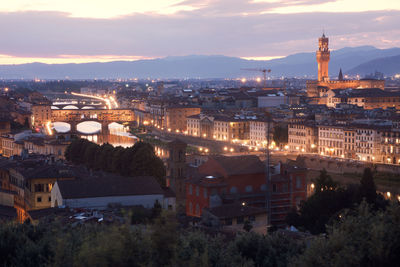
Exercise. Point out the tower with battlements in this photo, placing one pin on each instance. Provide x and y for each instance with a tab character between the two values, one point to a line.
323	56
316	89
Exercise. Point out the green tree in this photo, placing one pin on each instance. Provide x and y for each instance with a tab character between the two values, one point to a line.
164	240
146	163
271	250
104	161
117	160
90	155
324	182
367	186
114	246
156	210
24	245
247	226
280	134
362	237
319	210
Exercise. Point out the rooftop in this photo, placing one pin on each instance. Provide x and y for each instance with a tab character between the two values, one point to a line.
108	186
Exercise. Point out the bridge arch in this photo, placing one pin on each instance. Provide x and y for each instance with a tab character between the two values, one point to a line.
89	127
62	127
54	107
88	107
70	107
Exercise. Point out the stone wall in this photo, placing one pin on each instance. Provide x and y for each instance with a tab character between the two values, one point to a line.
342	166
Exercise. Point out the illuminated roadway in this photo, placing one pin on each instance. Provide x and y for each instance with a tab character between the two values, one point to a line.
110	101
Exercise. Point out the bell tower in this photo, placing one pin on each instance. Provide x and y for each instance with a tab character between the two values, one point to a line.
323	55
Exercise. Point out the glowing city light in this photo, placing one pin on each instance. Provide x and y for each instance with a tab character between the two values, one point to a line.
48	127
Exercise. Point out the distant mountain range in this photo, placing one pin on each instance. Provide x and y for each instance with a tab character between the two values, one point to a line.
353	60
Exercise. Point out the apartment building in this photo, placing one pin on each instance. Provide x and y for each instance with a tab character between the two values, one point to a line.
302	136
259	132
193	125
349	143
176	116
41	114
389	151
331	140
221	129
367	143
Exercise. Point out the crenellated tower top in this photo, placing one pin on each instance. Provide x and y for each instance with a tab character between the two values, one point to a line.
323	56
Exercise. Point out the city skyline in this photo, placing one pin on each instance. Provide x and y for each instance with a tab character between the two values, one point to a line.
100	31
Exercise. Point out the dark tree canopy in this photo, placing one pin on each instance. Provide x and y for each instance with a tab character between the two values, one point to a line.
138	160
330	199
367	186
324	182
280	134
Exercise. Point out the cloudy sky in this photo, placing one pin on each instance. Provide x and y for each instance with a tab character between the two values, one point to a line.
60	31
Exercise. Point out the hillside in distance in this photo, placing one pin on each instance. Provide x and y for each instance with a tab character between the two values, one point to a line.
199	66
387	65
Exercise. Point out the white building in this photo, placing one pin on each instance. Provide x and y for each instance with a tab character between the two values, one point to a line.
100	192
331	140
193	125
302	137
259	132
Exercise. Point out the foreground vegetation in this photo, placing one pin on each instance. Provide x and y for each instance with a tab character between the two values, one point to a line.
363	237
330	200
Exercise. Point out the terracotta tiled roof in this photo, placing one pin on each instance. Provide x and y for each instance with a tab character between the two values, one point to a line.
236	165
109	186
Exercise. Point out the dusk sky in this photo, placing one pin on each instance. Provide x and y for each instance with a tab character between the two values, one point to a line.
61	31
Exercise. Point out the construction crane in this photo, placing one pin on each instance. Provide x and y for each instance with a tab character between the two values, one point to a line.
264	71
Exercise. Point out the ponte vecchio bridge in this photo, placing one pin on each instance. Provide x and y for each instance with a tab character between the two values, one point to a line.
103	116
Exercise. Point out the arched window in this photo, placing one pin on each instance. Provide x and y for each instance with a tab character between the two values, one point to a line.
197	190
190	207
197	209
233	190
263	187
190	189
249	188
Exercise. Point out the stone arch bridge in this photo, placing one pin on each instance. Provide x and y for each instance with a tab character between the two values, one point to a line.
104	116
